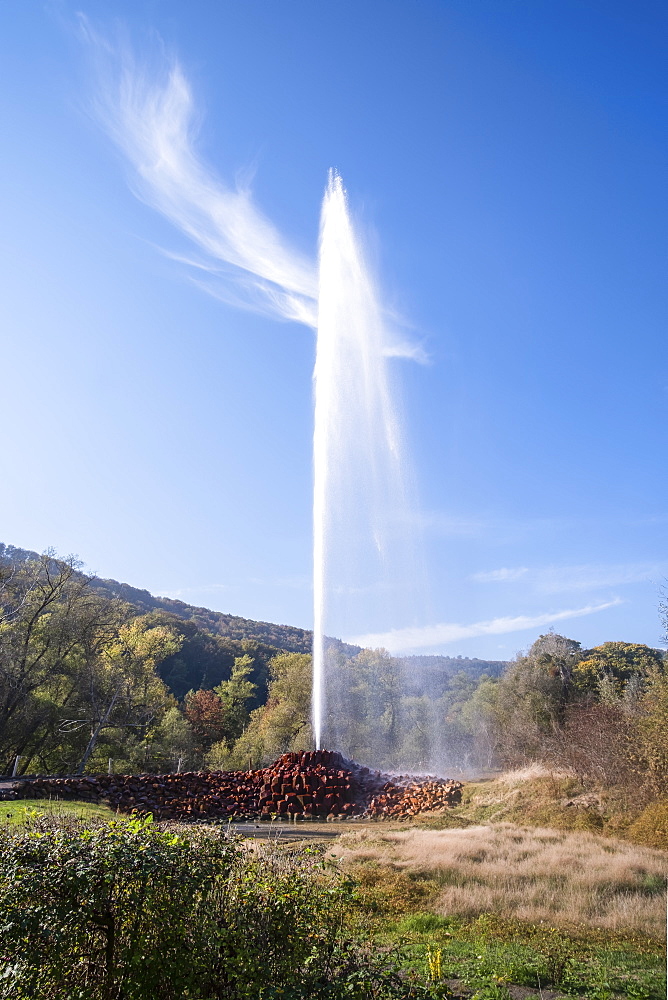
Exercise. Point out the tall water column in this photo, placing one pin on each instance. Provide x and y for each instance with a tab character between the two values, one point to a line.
360	508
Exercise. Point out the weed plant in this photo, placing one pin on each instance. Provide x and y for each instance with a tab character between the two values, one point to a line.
488	955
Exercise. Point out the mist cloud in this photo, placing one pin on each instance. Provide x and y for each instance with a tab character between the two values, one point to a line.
147	108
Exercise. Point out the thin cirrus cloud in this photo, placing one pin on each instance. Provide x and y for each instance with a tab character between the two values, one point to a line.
148	109
502	575
406	640
589	576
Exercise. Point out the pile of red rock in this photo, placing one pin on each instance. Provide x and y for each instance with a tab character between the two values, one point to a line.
318	783
397	801
315	785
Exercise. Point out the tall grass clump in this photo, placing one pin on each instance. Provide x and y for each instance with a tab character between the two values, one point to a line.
532	874
125	911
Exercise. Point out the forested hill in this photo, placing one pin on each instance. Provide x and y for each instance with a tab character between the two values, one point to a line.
288	637
448	666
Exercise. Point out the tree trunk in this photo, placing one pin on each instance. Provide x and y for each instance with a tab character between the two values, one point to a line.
96	733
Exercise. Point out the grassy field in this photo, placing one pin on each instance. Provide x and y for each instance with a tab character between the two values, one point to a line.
489	908
526	873
538	797
506	910
25	811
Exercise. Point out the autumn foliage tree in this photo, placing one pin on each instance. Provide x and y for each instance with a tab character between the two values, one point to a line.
78	670
205	713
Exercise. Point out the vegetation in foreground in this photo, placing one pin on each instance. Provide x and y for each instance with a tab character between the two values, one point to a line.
123	910
529	874
503	907
23	813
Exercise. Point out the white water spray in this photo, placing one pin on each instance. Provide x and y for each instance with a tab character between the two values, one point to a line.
359	501
365	579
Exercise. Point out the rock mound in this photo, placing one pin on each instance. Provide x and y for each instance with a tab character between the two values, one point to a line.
312	785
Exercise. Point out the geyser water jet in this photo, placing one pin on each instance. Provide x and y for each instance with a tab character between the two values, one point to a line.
364	573
363	568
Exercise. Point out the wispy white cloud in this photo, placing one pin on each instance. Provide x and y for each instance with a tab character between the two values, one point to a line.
502	575
405	640
148	110
407	349
588	576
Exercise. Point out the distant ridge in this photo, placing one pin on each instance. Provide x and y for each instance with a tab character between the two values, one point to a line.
287	637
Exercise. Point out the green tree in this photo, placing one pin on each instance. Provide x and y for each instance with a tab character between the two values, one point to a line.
609	671
51	625
532	695
284	722
125	691
479	715
236	694
174	739
204	659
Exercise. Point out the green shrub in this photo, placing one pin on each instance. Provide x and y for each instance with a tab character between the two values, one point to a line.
651	827
127	912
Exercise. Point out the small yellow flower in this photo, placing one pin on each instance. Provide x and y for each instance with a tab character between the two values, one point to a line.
434	960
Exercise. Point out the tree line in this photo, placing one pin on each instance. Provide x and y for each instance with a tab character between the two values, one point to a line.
86	680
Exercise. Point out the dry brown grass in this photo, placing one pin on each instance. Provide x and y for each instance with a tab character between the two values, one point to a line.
530	771
534	874
541	797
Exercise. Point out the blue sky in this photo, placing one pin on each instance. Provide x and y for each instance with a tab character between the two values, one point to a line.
507	163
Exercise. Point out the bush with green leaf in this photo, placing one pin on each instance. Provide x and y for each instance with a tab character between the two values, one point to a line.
651	826
128	912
